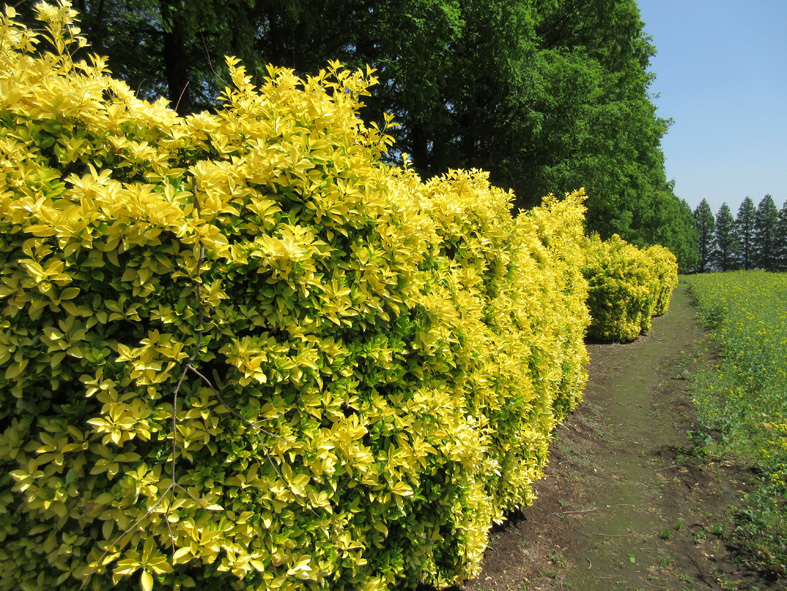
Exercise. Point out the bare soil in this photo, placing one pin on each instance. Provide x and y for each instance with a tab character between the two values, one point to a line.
629	501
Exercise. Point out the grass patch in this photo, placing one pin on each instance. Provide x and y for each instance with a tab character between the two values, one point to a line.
743	396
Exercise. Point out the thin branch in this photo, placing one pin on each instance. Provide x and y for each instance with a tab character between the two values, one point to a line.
574	512
667	468
169	529
256	430
230	409
124	533
173	484
182	92
210	62
199	337
190	367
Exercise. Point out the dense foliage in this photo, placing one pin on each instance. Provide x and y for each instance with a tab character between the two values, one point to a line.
742	399
627	287
239	351
547	96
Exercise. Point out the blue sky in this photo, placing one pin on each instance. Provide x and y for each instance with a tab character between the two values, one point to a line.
721	76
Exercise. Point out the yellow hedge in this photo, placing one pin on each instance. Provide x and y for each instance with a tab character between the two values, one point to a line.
237	351
665	266
627	287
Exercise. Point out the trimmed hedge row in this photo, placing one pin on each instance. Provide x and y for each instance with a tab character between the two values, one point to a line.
238	350
665	269
627	287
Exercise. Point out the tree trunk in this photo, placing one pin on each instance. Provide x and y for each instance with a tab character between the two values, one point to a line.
175	59
420	149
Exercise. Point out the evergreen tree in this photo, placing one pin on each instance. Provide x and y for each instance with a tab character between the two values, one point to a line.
781	239
726	254
744	227
766	230
706	230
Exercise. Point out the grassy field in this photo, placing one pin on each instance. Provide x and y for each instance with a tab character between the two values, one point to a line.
743	399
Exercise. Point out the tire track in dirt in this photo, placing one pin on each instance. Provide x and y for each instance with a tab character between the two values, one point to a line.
628	502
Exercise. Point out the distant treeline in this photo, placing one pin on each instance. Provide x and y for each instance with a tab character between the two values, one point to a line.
756	238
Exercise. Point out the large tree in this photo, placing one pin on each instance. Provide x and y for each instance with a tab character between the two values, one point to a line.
726	254
766	230
548	97
706	230
675	230
176	49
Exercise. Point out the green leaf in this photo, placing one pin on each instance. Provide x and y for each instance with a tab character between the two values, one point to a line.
181	554
146	580
69	293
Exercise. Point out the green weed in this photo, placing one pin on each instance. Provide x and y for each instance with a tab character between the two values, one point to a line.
664	560
742	397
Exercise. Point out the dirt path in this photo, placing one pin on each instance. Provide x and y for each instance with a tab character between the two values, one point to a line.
628	503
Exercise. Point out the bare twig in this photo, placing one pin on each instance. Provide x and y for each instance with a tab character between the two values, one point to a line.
210	62
194	353
583	511
173	484
667	468
182	92
256	430
190	367
124	533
